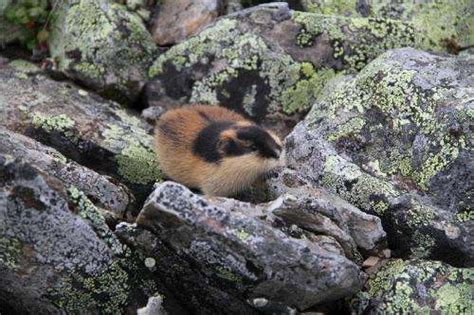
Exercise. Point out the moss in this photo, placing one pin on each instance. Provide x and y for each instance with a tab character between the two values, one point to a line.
10	252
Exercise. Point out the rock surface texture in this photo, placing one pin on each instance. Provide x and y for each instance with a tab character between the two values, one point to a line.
396	141
372	213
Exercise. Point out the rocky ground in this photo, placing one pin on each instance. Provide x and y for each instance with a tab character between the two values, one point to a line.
372	214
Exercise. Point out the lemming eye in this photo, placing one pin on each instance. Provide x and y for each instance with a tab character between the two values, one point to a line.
253	147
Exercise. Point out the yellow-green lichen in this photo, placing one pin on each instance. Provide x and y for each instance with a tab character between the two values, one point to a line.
60	123
10	252
138	164
105	292
135	158
397	284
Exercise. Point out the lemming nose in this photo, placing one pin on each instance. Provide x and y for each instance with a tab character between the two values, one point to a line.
276	154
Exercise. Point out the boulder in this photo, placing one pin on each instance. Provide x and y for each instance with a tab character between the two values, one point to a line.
415	287
244	257
267	62
178	20
93	132
439	25
56	252
103	46
106	194
396	140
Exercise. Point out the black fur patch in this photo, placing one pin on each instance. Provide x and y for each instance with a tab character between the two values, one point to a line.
205	144
262	141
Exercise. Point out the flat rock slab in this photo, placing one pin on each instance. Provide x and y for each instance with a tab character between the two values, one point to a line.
95	133
106	194
56	252
245	254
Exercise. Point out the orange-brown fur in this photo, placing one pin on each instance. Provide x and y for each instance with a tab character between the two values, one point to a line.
179	163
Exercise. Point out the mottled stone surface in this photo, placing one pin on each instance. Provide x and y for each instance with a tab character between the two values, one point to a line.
96	133
106	194
396	140
103	46
179	19
56	252
439	25
244	256
416	287
268	62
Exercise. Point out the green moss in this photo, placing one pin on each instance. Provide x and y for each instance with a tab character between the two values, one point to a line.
10	252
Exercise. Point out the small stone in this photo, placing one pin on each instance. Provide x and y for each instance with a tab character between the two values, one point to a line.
150	262
260	302
179	19
387	253
370	262
82	92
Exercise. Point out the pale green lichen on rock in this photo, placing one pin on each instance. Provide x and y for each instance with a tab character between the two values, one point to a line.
10	252
356	186
136	160
365	38
95	41
60	123
106	291
91	214
396	285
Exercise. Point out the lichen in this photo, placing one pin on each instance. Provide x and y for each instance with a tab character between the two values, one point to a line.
136	160
418	287
106	291
59	123
96	40
10	252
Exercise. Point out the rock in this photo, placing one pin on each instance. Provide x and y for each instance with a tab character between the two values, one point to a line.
103	46
108	195
177	20
395	140
56	252
415	287
153	307
439	25
241	256
268	62
93	132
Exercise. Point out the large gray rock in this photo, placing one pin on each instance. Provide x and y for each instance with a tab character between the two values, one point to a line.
56	252
106	194
439	25
244	257
396	140
95	133
268	62
102	45
415	287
